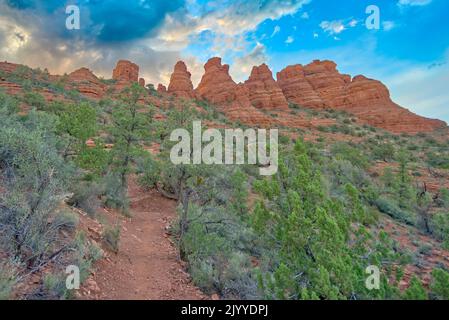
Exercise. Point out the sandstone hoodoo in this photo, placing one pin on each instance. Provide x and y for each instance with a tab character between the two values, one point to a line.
216	85
126	71
161	88
87	83
264	92
180	82
142	82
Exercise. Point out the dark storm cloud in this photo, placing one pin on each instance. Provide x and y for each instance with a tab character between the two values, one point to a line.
102	21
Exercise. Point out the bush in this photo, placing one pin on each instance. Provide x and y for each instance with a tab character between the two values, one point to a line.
384	151
7	280
94	160
34	178
66	220
86	196
216	245
8	105
111	236
54	287
149	172
415	291
445	198
440	284
347	152
439	226
115	196
438	160
35	100
388	207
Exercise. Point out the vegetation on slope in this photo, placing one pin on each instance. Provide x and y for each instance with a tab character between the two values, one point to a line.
308	232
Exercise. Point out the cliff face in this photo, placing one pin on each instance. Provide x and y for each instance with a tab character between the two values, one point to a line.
264	92
87	83
320	85
260	100
180	82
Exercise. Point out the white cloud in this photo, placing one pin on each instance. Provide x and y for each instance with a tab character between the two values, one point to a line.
276	30
290	39
242	66
414	2
333	27
230	26
388	25
353	23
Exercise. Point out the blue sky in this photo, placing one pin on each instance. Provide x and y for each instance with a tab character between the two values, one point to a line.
409	52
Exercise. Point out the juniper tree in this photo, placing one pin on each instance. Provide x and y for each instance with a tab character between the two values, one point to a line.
131	124
309	234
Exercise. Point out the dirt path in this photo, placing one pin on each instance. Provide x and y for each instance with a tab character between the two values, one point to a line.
146	266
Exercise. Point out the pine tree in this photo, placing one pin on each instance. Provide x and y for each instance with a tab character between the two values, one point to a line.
131	123
440	284
415	291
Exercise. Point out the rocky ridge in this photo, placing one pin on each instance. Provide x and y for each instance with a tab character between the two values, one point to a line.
261	100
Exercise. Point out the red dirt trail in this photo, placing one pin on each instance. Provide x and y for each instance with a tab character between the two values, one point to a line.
146	266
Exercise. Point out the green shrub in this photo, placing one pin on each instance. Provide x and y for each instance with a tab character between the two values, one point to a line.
86	196
149	171
345	151
440	284
384	151
438	160
35	100
7	280
34	178
111	236
66	219
439	225
415	291
425	249
8	105
444	196
115	196
388	207
54	287
95	159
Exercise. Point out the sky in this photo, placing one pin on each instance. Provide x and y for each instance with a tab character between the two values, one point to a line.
409	51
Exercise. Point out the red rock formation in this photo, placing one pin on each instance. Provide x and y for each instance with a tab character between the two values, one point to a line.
8	67
264	92
126	71
297	89
370	101
320	85
87	83
241	109
180	82
216	85
161	88
142	82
